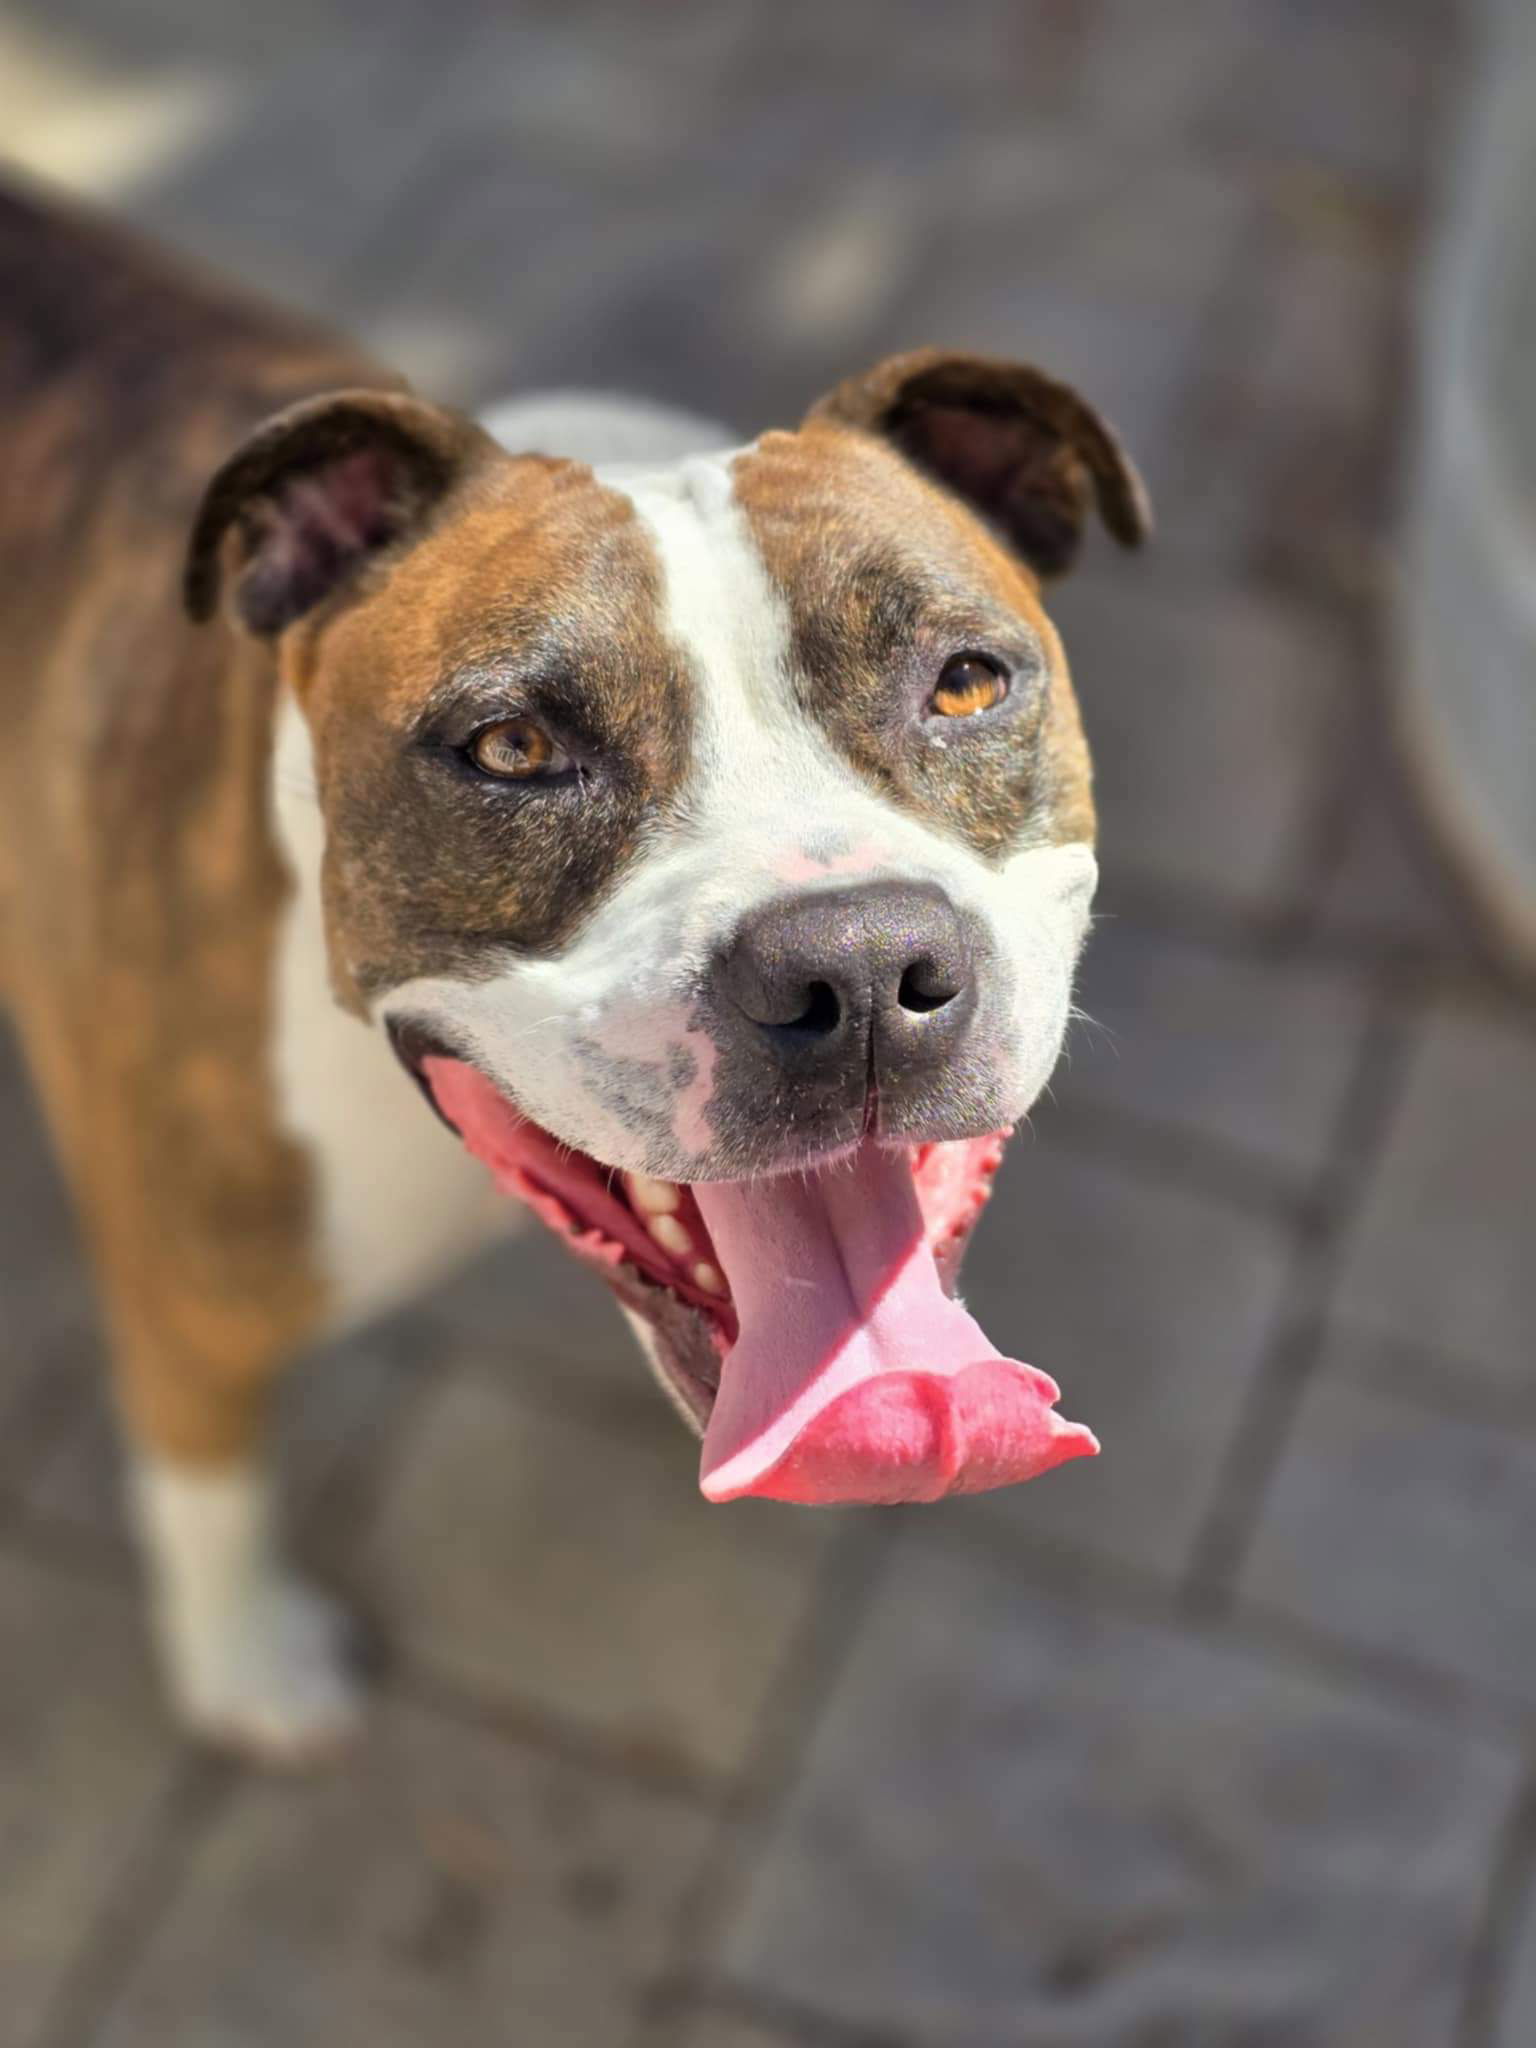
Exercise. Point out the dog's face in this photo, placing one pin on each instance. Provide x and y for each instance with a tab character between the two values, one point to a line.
720	819
713	814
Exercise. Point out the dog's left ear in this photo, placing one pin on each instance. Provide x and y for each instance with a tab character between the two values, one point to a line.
1021	449
318	492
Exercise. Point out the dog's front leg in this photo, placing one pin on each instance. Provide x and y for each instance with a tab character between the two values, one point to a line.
254	1657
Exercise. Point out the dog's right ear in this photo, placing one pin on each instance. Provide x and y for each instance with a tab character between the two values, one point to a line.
317	492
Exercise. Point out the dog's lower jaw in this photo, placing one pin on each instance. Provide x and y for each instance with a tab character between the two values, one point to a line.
255	1660
690	1398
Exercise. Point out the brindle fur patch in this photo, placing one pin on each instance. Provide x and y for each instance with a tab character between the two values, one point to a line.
535	590
140	888
884	576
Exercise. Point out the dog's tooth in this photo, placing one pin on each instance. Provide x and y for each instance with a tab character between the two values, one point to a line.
708	1279
670	1235
651	1197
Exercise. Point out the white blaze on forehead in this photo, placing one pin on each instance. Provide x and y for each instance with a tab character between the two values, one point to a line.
753	752
766	786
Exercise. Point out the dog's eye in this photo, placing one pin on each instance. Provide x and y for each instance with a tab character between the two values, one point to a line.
516	749
968	683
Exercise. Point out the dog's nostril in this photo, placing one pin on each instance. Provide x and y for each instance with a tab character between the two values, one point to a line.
925	986
822	1013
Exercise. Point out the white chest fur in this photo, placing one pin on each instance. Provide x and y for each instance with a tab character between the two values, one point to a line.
400	1203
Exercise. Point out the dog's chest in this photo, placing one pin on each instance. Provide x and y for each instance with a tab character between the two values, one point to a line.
398	1203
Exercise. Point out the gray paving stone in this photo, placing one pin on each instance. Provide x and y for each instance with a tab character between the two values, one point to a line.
1408	1529
164	31
85	1755
1440	1251
1094	252
730	206
714	2029
1516	2027
1387	883
325	1410
1288	477
539	1560
1348	89
77	1482
441	1887
834	267
525	1305
324	1414
1028	1821
991	48
1180	686
1152	1307
294	153
1339	89
45	1297
1075	218
635	283
1148	78
1253	1052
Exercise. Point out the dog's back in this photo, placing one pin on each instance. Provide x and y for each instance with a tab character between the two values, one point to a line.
140	884
123	381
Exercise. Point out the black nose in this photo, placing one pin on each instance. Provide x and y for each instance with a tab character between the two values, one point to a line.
881	971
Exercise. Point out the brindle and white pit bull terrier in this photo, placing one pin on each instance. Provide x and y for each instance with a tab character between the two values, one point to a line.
706	830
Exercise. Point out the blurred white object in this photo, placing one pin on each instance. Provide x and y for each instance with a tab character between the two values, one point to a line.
1467	606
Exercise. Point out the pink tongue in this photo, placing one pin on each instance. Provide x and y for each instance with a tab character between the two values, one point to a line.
855	1378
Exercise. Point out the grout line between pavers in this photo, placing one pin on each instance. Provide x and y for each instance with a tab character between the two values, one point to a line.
145	1891
796	2025
34	1422
1427	1378
1512	1881
1175	1154
1333	818
338	1516
1049	1566
1273	932
625	1414
72	1550
848	1582
1323	833
415	1682
1060	1571
1268	1419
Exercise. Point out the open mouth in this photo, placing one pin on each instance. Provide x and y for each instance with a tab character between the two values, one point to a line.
804	1322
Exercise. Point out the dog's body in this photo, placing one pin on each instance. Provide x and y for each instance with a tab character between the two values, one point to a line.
235	866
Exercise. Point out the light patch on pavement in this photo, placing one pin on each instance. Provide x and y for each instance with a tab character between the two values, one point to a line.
67	116
838	272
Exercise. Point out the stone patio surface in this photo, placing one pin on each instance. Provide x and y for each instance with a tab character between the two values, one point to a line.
1225	1741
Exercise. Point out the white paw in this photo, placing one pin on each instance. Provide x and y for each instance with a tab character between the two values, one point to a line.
256	1659
267	1675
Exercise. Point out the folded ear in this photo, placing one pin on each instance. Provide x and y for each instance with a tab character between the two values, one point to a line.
1021	449
316	492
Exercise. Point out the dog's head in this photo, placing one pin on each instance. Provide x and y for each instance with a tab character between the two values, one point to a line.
703	826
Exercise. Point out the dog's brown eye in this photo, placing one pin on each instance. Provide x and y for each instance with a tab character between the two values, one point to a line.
516	748
967	684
